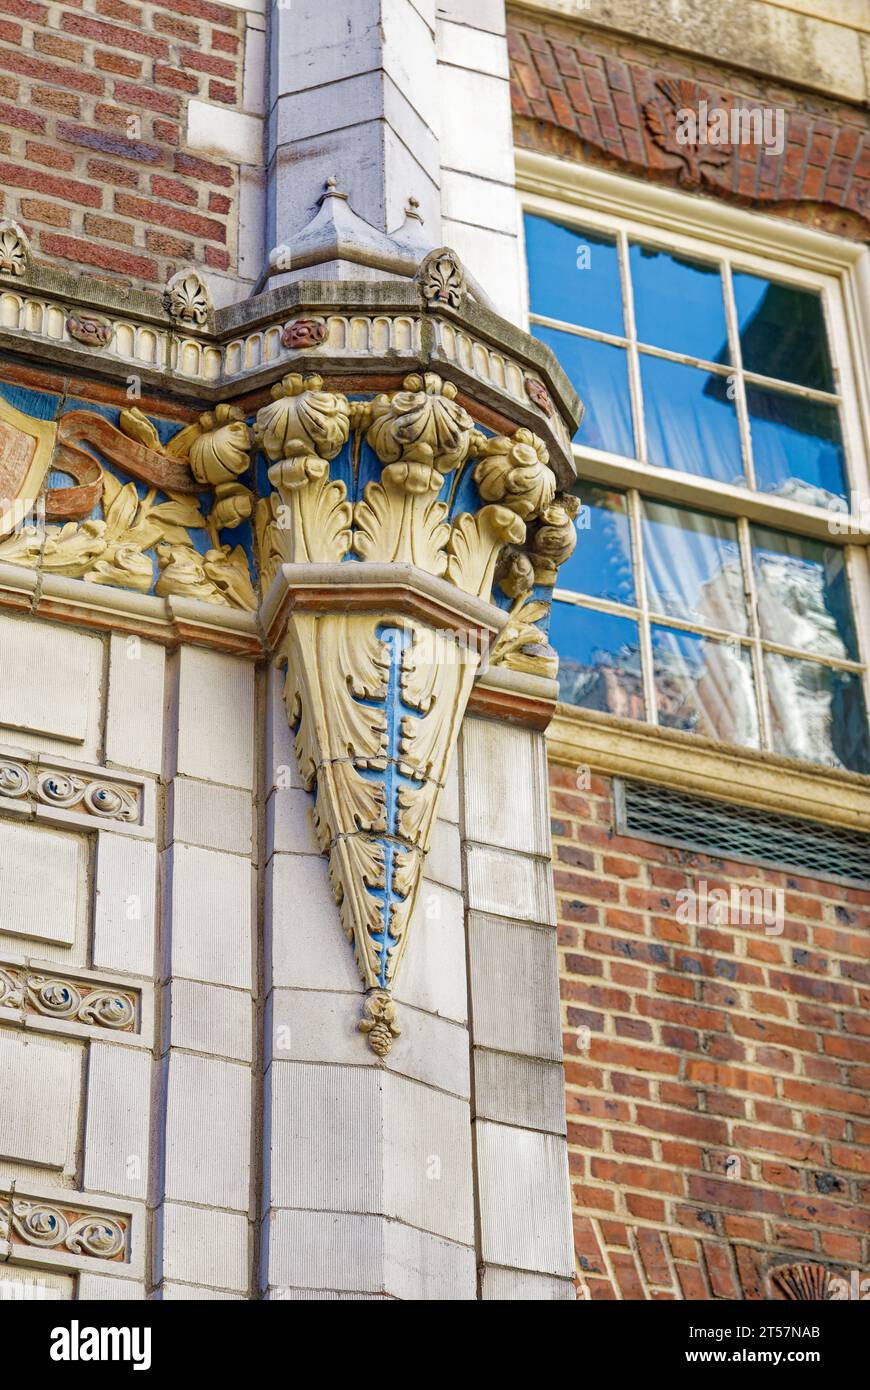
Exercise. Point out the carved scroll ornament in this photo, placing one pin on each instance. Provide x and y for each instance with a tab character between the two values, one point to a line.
120	547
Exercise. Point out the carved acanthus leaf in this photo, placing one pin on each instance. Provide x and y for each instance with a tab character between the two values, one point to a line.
521	633
400	518
475	542
373	742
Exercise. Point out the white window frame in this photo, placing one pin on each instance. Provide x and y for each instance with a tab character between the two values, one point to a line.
705	228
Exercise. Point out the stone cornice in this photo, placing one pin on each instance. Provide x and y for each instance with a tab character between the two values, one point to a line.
365	329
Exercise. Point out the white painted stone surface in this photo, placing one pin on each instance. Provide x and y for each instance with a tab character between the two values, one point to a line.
215	717
40	1085
306	950
519	1091
118	1120
35	1285
432	975
211	899
337	1253
196	1293
427	1159
516	1285
322	1026
359	1139
463	46
205	1247
102	1288
208	1129
525	1208
514	987
511	885
206	1018
505	790
50	687
46	901
444	861
134	719
289	822
211	816
125	905
280	755
219	130
480	14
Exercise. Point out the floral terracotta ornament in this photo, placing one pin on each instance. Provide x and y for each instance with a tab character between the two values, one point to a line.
513	469
304	333
218	446
89	329
539	395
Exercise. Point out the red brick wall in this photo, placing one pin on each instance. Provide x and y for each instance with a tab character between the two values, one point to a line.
583	94
689	1046
92	188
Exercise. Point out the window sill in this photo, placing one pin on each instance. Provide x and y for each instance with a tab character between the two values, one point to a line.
621	747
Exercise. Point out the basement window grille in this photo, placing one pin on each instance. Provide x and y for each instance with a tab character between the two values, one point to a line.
744	833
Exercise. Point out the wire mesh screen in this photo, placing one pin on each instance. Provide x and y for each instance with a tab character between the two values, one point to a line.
742	832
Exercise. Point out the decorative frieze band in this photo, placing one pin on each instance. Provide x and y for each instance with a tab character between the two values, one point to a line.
103	797
48	1225
352	338
75	1001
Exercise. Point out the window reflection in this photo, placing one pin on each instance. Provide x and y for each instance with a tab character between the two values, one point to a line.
782	332
693	568
599	660
797	446
816	712
678	304
599	374
601	563
704	686
574	275
691	423
803	594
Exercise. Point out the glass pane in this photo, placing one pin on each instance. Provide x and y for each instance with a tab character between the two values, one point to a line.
691	424
817	712
599	660
601	563
803	594
797	446
782	332
678	304
704	686
574	275
599	373
693	568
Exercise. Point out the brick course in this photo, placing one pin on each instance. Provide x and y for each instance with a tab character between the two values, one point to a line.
581	94
97	87
718	1077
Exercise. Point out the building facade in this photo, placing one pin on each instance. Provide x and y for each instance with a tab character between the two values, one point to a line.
433	709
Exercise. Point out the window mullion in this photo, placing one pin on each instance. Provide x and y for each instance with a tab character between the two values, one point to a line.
638	568
745	537
633	354
739	383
